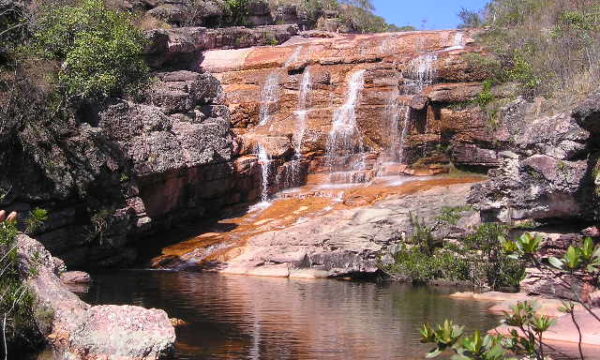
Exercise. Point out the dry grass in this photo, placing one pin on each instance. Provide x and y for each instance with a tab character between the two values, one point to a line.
551	47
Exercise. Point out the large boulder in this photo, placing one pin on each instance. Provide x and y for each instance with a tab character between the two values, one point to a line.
76	330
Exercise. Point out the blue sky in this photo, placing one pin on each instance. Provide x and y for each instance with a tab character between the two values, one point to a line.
440	14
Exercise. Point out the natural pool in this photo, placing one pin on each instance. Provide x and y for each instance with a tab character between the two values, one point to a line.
240	317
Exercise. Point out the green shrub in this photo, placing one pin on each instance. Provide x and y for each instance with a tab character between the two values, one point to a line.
237	12
485	97
100	50
479	258
16	300
421	268
499	269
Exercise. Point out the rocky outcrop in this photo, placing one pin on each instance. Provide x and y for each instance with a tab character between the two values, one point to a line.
129	169
545	176
344	242
187	150
182	47
76	330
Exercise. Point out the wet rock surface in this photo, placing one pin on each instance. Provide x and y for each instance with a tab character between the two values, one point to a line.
344	242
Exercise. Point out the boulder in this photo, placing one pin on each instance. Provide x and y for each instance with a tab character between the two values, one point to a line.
80	331
75	277
472	155
587	114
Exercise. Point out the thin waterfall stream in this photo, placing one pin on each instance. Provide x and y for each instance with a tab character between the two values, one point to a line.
301	113
269	97
345	136
264	160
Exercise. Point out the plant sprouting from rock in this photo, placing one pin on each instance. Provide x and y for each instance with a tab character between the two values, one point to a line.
524	338
16	317
35	220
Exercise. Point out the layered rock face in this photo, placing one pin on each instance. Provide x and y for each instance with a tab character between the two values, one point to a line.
338	101
548	174
130	168
321	102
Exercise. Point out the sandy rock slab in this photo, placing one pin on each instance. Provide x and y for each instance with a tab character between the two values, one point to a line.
78	331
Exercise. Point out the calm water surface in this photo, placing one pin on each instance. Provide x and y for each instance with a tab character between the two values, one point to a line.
238	317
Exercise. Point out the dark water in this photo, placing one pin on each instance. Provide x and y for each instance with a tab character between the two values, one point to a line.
237	317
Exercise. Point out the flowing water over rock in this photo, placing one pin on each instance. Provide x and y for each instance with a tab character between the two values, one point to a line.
265	166
459	42
422	71
345	147
294	176
238	317
269	97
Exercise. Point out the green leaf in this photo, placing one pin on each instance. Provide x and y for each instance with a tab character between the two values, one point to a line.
572	258
557	263
433	353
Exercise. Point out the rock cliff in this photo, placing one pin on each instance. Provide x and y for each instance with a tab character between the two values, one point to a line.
189	148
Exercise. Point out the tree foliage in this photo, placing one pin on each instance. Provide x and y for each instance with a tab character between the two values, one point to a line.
100	50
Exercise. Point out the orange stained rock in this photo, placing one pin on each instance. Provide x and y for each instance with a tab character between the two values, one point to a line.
307	202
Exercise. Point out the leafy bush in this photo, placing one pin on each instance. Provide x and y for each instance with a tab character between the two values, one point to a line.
421	268
100	50
450	337
469	19
485	97
499	269
237	12
479	259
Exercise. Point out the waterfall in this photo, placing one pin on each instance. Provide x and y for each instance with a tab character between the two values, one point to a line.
398	131
268	97
403	135
393	114
265	166
294	177
302	112
423	70
345	135
295	56
459	42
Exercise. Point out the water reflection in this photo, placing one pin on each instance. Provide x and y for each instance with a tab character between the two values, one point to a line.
236	317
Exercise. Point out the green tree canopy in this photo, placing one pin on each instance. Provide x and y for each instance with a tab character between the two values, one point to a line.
100	50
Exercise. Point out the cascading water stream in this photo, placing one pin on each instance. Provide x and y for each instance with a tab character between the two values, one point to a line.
405	127
423	70
345	135
269	96
459	42
265	166
301	117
